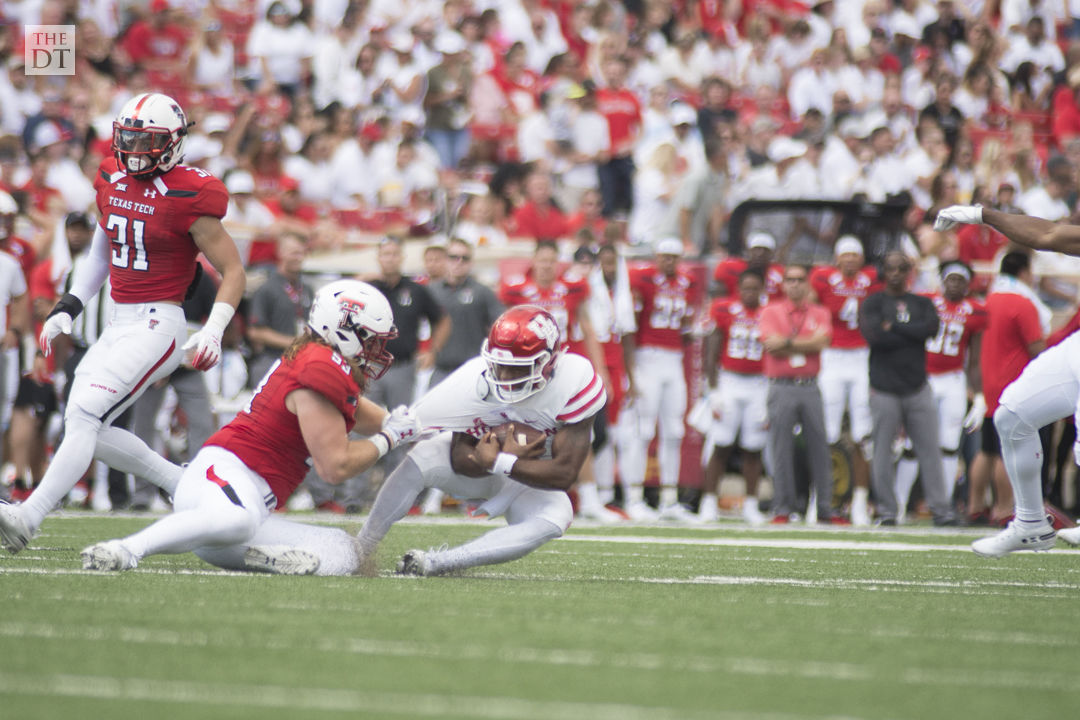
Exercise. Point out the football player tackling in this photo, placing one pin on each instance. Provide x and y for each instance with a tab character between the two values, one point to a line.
305	406
522	376
156	217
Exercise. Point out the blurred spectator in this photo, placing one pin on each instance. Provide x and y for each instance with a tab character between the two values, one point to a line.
942	110
280	50
278	310
654	214
479	225
897	324
622	109
446	100
589	144
212	64
1016	330
471	306
538	217
702	200
793	333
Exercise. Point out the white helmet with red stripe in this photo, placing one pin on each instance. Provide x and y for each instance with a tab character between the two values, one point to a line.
520	352
148	135
357	320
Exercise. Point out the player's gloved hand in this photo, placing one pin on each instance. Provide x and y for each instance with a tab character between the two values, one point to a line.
402	425
716	403
974	419
205	349
955	215
205	345
58	324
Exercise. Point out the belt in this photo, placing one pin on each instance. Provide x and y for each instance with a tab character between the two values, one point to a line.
794	380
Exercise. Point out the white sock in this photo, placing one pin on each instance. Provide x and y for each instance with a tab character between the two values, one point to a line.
69	464
1021	452
669	457
950	465
860	496
587	495
907	470
498	546
668	496
604	471
395	497
710	500
126	452
632	459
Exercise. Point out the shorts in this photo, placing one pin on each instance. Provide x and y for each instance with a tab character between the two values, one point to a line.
38	398
991	443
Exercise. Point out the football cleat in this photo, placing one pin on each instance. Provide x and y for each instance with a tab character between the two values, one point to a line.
1017	535
676	512
1070	535
600	514
280	560
108	556
751	512
641	512
414	562
14	533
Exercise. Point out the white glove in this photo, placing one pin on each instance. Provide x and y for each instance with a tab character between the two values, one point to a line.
955	215
58	324
974	419
716	403
206	344
402	425
206	347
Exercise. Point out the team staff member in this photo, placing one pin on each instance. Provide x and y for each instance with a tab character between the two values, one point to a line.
794	331
896	325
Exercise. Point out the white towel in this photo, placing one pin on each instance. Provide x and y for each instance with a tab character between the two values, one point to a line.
615	310
1013	286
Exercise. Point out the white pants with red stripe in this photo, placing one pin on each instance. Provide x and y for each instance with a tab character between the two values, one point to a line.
142	344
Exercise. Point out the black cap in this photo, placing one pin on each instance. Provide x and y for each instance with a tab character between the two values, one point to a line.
78	218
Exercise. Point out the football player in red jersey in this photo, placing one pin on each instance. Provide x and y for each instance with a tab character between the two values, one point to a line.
522	376
156	216
305	406
737	395
760	248
952	369
665	300
845	364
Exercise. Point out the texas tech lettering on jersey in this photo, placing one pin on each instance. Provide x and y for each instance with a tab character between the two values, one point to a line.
149	223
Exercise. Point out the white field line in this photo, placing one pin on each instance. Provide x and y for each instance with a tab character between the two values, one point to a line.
784	543
554	657
307	700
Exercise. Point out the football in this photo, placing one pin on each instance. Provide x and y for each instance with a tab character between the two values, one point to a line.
524	434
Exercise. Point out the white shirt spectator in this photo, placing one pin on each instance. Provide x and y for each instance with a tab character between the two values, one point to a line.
972	106
1038	203
589	135
752	72
216	71
887	175
316	179
1044	55
790	55
1017	13
810	88
689	70
77	190
479	235
840	166
395	184
282	49
534	137
917	90
16	104
353	176
651	217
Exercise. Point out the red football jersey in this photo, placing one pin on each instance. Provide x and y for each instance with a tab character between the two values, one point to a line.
1012	324
945	352
740	336
729	270
562	299
843	296
266	436
148	222
664	306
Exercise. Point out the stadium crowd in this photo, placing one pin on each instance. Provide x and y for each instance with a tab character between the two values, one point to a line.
615	139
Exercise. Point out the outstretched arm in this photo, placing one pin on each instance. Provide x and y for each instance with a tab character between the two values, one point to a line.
1023	229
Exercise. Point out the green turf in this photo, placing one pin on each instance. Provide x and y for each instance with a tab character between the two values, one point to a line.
655	623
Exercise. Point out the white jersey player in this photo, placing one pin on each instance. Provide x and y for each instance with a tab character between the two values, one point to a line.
523	377
1047	390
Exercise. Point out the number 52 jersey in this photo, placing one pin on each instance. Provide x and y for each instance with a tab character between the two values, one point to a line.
148	222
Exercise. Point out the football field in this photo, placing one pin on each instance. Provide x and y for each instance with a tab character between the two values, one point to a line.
606	623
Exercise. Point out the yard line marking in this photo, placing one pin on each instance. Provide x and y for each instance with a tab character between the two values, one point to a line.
782	543
574	657
834	583
338	700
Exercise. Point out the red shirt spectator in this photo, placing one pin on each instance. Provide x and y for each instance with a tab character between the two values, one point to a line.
979	244
787	319
537	217
1012	328
623	112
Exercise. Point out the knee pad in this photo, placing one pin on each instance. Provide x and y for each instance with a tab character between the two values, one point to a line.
550	506
1009	425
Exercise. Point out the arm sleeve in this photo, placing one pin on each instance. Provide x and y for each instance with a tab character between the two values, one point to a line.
92	272
870	319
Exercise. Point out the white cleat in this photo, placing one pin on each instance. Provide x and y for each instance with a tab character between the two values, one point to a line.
860	515
708	513
600	514
14	533
677	513
640	512
280	560
752	514
1017	535
108	556
414	562
1070	535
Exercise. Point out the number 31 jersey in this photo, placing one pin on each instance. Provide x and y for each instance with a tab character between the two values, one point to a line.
148	222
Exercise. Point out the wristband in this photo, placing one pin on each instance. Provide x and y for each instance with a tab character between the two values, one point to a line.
219	318
69	304
504	464
381	443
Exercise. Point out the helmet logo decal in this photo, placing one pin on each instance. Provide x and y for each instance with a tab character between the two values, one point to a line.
545	329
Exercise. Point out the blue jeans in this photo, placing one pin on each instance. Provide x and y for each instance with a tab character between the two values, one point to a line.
451	145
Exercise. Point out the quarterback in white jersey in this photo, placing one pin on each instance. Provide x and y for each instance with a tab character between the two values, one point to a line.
523	376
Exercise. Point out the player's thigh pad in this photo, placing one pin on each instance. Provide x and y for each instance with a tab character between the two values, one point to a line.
140	346
1047	389
217	479
950	396
551	505
754	432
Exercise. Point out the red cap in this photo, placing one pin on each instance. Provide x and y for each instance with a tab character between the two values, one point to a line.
159	6
371	131
287	184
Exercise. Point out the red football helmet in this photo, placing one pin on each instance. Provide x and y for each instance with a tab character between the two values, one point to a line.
520	352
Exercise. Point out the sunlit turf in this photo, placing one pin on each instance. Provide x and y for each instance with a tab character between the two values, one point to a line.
627	622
